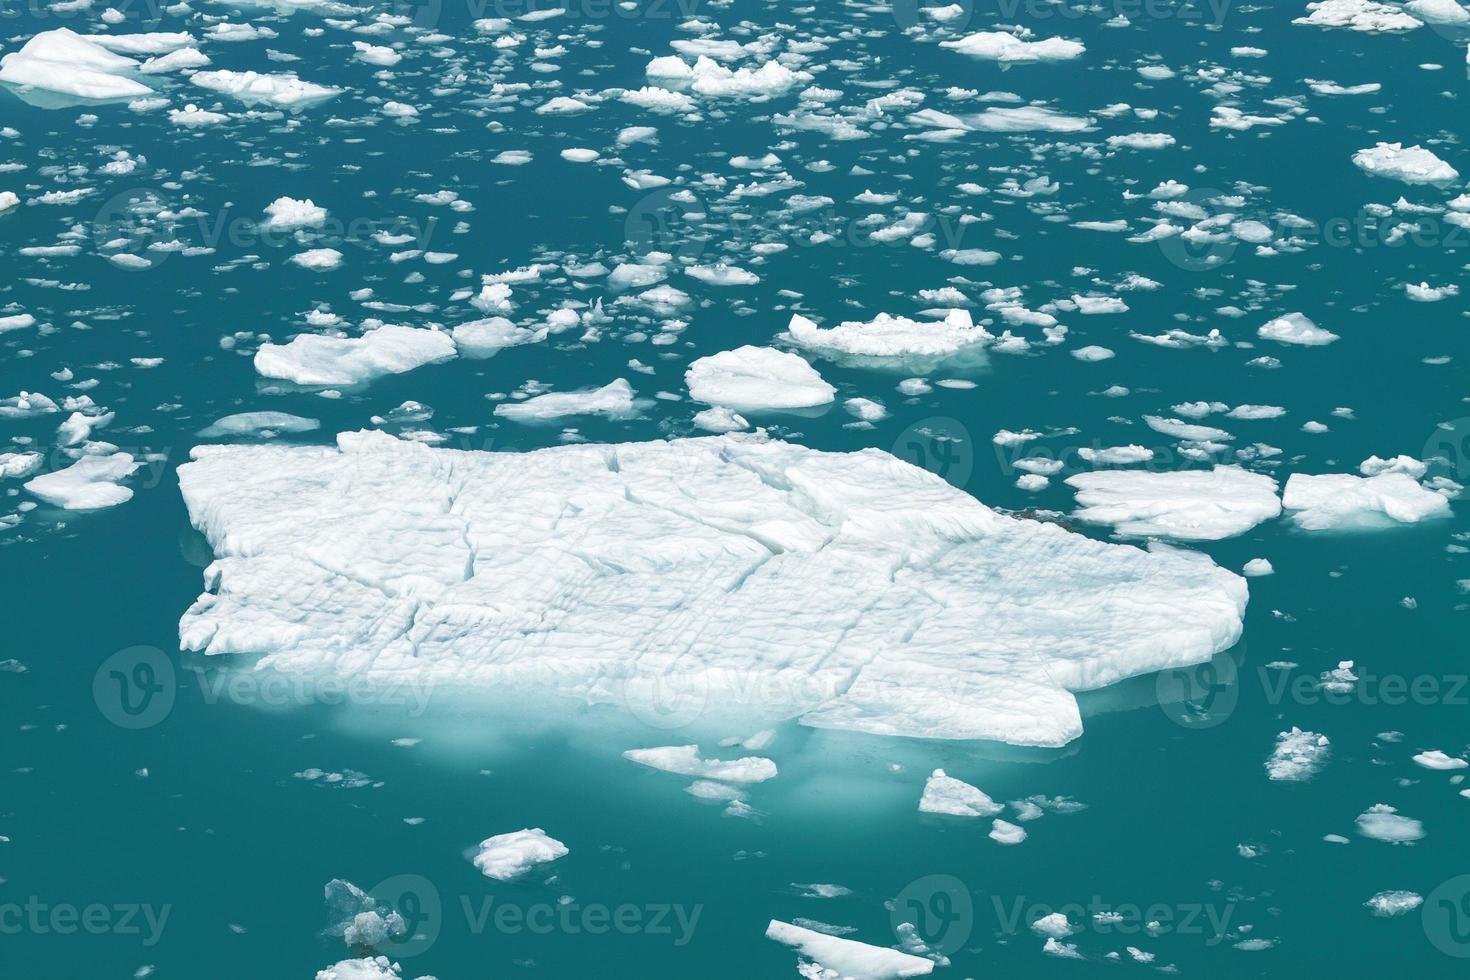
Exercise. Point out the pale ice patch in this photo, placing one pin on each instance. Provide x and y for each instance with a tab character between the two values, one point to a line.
614	399
67	63
91	483
1436	759
891	336
508	856
1385	823
1005	832
283	90
1329	501
1010	49
1391	903
848	590
288	214
313	359
754	378
258	423
847	959
945	794
1367	16
1412	165
1295	328
1186	505
1298	756
685	760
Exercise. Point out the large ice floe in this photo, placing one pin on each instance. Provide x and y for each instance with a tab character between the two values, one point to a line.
1187	505
836	957
891	338
71	64
850	590
1329	501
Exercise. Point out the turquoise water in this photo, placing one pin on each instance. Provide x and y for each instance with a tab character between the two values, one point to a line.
157	796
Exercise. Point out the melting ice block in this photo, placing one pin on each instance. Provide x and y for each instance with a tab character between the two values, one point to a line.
849	590
848	958
1327	501
1186	505
68	63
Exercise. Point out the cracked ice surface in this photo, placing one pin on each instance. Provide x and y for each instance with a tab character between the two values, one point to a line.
849	590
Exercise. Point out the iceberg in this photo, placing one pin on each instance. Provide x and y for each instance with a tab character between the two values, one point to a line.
283	90
508	856
1412	165
847	958
847	590
67	63
1329	501
945	794
313	359
891	337
754	378
1186	505
90	483
1009	49
684	760
614	400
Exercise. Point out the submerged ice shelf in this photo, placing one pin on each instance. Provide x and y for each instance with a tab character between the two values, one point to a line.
849	590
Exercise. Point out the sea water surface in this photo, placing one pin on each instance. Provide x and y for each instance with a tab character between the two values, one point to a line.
165	816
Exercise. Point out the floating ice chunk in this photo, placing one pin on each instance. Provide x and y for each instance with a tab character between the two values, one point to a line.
719	420
847	959
8	200
1092	353
312	359
18	321
367	968
1414	165
375	54
1186	505
721	274
482	338
709	77
318	259
1295	328
1009	49
507	856
288	214
284	90
945	794
1054	925
156	43
585	570
614	400
67	63
258	423
359	918
755	378
1298	756
1368	16
684	760
1004	832
1372	466
1435	759
1116	455
193	117
658	100
1438	11
90	483
1383	822
1389	904
891	336
1257	567
13	466
1340	500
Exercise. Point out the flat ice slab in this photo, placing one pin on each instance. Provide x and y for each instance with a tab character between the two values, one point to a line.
850	590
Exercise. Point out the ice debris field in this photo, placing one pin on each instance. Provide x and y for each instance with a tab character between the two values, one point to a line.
869	439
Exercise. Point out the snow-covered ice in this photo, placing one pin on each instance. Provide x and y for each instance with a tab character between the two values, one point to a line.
848	958
314	359
945	794
1328	501
1186	505
507	856
750	379
853	590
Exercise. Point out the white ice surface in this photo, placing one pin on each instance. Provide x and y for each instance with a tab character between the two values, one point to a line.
945	794
507	856
314	359
685	760
753	378
1186	505
614	399
891	336
850	959
90	483
1339	500
850	590
69	63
